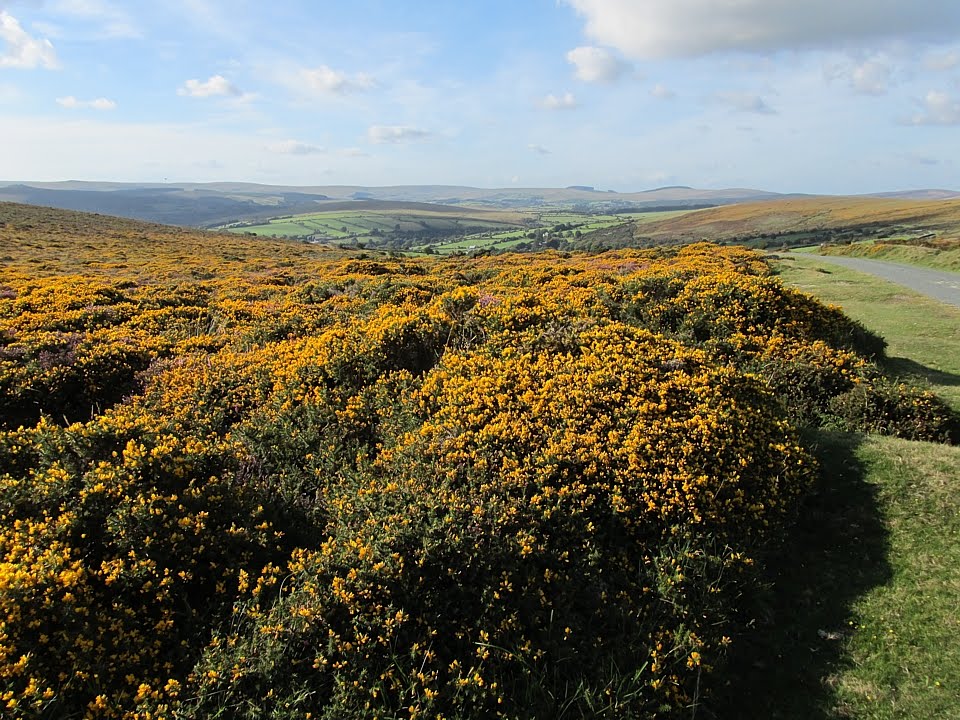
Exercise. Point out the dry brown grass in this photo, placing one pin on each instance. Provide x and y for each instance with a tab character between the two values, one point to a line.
810	215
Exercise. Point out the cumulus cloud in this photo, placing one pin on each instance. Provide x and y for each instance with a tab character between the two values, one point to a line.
327	81
216	86
396	134
596	65
745	103
294	147
71	103
559	102
18	49
870	78
939	108
687	28
539	149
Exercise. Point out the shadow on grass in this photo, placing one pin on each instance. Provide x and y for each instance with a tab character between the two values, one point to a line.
781	665
904	367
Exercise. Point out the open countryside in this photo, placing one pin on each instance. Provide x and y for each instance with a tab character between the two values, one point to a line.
383	424
567	360
442	229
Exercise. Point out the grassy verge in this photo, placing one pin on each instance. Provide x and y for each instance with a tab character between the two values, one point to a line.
937	259
861	620
923	335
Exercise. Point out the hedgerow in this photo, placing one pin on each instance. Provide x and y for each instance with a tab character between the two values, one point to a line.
329	487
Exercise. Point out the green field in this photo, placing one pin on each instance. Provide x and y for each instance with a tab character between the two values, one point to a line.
562	226
649	217
363	224
445	230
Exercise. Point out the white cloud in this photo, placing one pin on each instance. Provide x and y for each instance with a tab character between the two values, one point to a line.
684	28
21	50
662	92
71	103
216	86
293	147
325	80
539	149
396	134
596	65
939	108
745	103
562	102
870	78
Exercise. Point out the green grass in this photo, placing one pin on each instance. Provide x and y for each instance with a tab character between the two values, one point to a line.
338	224
938	259
861	617
508	239
907	651
649	217
923	335
861	621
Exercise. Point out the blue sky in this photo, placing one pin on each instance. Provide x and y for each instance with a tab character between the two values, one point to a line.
833	96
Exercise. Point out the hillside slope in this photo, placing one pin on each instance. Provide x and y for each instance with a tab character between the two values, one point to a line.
811	220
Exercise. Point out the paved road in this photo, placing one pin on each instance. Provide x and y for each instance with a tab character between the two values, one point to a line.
938	284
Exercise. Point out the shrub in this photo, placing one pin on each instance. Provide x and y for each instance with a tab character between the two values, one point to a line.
542	539
363	487
891	408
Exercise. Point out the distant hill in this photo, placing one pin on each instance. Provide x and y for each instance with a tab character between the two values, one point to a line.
214	204
919	194
211	204
167	204
795	221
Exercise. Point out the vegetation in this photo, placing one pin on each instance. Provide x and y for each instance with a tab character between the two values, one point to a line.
250	478
940	254
394	225
439	229
796	222
922	335
859	620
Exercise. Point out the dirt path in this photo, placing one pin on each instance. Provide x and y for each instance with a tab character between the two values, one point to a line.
937	284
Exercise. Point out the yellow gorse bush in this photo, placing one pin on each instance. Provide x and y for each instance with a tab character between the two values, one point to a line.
256	479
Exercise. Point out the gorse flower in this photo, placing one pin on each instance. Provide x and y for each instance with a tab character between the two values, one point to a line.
258	479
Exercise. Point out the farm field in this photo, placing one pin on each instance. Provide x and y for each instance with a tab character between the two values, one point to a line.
442	230
256	478
371	220
564	228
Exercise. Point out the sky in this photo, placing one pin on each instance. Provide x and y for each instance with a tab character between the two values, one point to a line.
819	96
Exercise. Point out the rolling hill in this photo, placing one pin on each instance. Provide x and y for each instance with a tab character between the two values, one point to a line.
211	204
792	220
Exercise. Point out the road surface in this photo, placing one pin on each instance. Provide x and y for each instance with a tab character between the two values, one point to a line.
937	284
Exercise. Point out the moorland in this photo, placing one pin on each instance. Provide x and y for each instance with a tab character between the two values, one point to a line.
254	477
